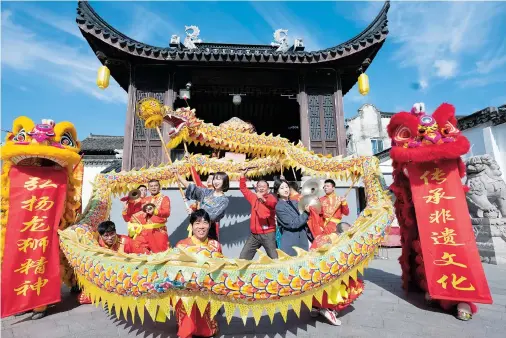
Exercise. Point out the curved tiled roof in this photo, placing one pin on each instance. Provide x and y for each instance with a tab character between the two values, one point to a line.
101	143
93	26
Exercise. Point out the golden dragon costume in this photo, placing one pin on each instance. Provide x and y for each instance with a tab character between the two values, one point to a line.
133	283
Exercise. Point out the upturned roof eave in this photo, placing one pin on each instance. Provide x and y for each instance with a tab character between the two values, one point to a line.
92	26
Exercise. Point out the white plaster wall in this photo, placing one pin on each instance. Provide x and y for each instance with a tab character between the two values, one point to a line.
499	133
475	137
90	171
487	139
366	126
387	169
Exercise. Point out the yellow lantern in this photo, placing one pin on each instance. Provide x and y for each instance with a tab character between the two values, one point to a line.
363	84
103	76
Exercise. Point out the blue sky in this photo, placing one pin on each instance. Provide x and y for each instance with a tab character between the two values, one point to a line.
435	52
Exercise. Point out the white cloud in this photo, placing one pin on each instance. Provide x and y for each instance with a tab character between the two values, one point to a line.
492	60
483	81
61	23
68	67
147	26
445	68
278	16
426	32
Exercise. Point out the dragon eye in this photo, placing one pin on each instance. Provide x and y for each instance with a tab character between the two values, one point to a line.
66	140
20	136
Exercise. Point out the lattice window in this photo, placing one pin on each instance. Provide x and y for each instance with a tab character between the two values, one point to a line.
139	157
155	155
314	118
329	118
140	130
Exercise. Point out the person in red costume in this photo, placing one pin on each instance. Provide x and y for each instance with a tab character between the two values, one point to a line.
334	207
133	206
294	191
147	226
109	239
419	138
195	323
262	222
331	303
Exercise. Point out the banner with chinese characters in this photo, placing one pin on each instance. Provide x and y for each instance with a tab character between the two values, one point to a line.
452	262
31	263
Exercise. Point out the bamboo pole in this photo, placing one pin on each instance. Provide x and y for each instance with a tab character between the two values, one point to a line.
164	146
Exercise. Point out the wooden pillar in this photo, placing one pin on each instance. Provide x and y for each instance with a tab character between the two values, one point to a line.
168	100
129	124
339	109
303	112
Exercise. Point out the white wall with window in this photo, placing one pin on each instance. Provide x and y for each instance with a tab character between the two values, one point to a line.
367	131
376	145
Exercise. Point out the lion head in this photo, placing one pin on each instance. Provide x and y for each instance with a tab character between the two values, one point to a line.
43	144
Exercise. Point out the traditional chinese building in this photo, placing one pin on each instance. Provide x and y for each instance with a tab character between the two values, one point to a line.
258	83
100	153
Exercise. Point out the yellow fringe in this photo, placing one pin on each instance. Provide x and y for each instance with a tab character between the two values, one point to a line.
159	307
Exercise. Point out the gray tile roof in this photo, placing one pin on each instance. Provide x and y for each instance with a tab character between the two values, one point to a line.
91	23
115	166
101	143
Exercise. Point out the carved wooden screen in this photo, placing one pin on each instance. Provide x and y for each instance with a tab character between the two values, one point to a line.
322	122
147	148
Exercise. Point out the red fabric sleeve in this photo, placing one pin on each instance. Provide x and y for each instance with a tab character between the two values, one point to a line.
164	210
264	210
196	177
270	202
248	194
345	209
315	223
132	208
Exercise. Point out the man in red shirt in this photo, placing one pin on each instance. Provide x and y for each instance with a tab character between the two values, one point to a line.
109	239
262	223
334	207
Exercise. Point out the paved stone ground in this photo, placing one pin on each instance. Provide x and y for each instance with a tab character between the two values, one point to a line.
383	310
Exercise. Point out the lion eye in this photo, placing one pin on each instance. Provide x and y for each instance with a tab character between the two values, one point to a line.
66	140
20	136
421	131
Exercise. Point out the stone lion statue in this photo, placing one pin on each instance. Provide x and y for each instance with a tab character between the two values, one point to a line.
487	190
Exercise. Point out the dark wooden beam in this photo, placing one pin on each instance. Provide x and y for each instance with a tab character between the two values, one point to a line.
303	112
168	99
339	109
129	124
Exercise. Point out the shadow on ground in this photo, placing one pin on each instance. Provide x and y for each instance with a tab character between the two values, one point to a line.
236	328
391	283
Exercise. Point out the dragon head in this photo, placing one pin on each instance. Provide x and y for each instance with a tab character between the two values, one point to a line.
180	124
417	130
45	144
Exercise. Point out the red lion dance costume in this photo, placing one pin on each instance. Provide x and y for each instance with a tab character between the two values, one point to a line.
439	252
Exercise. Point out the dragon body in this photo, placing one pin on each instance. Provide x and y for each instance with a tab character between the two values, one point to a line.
131	283
41	145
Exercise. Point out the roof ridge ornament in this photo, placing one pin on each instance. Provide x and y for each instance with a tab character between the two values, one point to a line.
192	33
280	37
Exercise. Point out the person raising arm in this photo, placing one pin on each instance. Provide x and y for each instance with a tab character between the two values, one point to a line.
262	222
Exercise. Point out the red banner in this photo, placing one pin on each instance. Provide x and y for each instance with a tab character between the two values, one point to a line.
452	263
31	263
